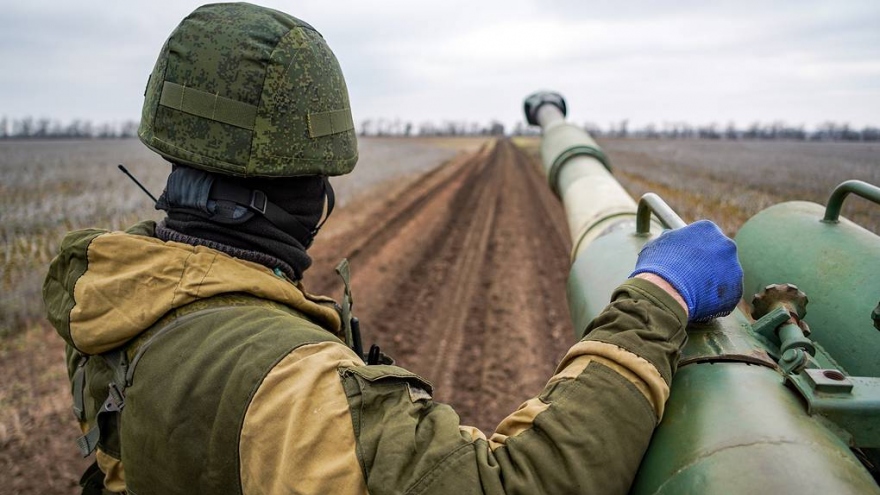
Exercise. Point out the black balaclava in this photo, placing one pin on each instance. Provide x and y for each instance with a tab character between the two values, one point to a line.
224	213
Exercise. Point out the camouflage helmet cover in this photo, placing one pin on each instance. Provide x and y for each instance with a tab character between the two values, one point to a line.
248	91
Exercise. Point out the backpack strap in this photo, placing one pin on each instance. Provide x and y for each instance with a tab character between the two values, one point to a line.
107	416
79	388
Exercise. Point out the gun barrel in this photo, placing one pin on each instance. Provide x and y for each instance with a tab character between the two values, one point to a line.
579	173
731	423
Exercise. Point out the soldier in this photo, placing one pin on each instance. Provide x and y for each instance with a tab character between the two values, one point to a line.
199	364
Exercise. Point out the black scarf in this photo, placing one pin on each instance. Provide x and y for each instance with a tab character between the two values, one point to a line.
236	230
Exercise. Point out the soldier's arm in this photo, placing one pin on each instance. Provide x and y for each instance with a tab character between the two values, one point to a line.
324	423
585	433
355	428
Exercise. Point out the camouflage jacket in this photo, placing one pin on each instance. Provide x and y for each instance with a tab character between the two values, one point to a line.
242	386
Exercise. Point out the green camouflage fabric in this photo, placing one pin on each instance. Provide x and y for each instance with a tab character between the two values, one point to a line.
248	91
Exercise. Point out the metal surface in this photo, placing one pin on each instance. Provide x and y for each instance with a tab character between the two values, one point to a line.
651	203
735	428
850	403
594	200
875	315
725	340
836	264
599	268
598	210
857	187
790	334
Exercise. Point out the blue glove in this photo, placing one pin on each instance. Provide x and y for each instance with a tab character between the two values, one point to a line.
700	262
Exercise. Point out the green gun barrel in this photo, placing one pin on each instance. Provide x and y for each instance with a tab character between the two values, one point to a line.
736	420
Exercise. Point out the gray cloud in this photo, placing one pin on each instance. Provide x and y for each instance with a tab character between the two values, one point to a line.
806	61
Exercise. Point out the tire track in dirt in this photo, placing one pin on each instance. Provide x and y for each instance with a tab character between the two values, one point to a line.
462	280
362	239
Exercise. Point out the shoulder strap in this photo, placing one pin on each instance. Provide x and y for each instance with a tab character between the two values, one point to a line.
107	417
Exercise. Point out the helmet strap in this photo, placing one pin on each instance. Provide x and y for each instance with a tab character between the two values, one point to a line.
331	202
257	202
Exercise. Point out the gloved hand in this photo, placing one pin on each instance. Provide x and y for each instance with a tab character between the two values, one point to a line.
700	262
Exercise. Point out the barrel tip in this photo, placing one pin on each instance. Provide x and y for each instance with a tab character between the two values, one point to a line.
539	98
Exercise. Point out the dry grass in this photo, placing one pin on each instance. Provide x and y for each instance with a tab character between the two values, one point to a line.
51	187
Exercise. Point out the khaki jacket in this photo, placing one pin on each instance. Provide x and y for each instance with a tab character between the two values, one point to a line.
242	385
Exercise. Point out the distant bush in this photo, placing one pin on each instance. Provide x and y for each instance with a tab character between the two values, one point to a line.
44	128
775	131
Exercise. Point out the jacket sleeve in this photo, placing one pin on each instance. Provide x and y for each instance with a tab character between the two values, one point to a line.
585	433
323	422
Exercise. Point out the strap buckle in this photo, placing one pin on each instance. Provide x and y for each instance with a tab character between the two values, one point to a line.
258	201
116	397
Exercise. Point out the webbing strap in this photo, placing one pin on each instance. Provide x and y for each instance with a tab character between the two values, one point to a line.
332	122
208	105
344	271
89	442
256	200
117	360
330	196
92	480
79	389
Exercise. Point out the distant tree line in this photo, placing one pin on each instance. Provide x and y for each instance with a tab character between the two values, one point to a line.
397	127
44	128
827	131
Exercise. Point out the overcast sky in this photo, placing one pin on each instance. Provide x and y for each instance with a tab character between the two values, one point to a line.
799	61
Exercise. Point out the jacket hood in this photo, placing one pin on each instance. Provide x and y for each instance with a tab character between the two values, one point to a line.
104	288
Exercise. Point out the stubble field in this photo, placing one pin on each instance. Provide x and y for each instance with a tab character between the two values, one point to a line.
459	257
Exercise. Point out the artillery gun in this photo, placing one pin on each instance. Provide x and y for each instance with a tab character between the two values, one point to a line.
772	398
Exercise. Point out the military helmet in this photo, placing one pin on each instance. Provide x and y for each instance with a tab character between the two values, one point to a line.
248	91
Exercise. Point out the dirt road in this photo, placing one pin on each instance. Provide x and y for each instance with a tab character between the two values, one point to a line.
461	278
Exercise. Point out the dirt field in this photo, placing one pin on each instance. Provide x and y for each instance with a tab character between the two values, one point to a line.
458	270
462	280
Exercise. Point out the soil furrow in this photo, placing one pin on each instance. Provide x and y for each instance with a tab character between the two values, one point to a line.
363	239
462	280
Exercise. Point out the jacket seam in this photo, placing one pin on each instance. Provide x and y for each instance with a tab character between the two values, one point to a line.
205	275
573	385
73	293
180	279
250	400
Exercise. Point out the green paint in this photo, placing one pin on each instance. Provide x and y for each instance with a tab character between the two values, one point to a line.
836	264
736	428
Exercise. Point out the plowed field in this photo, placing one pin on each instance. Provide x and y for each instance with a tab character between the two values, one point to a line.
461	279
